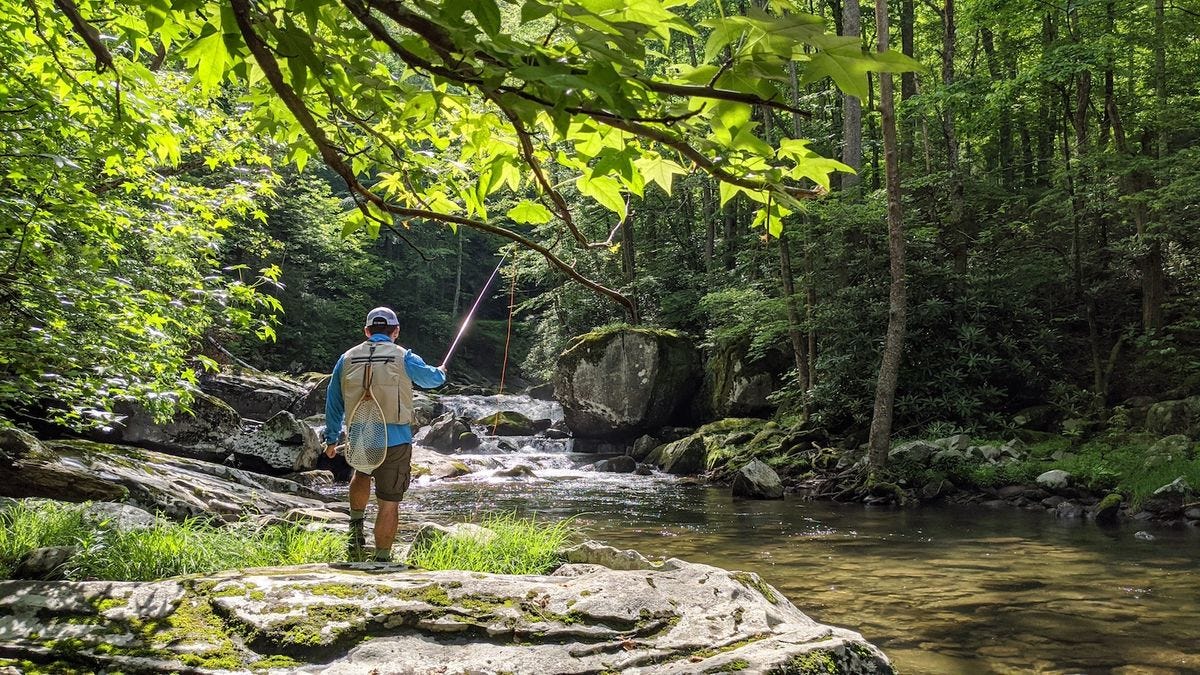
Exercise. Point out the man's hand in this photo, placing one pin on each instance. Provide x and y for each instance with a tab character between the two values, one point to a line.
331	450
442	368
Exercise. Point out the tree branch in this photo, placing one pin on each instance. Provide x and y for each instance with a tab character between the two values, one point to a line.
270	67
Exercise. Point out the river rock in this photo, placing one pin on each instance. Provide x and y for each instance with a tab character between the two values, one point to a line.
541	392
518	471
443	433
1166	450
620	382
1167	418
959	442
673	617
643	446
919	452
618	464
256	396
756	480
313	478
429	532
313	400
1054	479
1069	511
262	450
201	433
508	423
468	440
119	516
1108	509
684	457
1171	497
48	563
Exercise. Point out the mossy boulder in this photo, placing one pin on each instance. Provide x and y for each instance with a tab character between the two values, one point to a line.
254	395
1167	418
756	480
507	423
620	382
604	611
737	384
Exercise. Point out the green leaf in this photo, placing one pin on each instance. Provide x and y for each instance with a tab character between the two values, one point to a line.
207	55
529	213
659	170
605	190
488	15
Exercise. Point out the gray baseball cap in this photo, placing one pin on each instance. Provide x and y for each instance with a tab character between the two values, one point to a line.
382	316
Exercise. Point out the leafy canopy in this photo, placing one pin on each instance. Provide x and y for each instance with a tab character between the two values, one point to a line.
429	110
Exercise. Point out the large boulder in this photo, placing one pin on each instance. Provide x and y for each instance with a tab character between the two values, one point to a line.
508	423
201	432
735	385
255	396
180	487
687	456
756	480
283	444
30	469
660	617
444	433
1167	418
619	383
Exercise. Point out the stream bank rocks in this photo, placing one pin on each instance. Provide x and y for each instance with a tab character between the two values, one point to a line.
617	383
179	487
641	617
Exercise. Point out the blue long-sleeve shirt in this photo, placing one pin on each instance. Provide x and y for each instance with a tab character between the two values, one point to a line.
419	372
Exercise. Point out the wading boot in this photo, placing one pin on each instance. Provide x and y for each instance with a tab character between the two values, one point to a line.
357	541
383	556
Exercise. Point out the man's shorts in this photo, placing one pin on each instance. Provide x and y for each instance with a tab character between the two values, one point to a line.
392	477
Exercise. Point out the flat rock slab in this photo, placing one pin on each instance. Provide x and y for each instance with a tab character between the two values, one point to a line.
674	617
177	486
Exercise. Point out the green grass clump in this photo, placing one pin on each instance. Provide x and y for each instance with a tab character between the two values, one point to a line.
165	549
521	546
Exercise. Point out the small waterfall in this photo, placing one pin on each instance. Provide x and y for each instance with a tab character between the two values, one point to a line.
501	458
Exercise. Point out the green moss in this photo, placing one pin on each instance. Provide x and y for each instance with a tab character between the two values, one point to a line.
706	653
815	662
276	661
343	591
436	596
110	603
750	580
1111	501
257	595
319	626
419	470
734	666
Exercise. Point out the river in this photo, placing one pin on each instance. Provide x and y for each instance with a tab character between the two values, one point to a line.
939	589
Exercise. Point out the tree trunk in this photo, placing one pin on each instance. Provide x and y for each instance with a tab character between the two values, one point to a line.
1004	149
799	346
955	216
908	80
851	106
889	368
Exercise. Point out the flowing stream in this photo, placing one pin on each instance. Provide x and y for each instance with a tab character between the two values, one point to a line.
940	590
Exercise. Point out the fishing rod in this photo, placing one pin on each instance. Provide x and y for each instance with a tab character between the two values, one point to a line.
467	319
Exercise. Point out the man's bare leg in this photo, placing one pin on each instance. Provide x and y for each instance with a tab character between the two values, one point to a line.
360	491
386	523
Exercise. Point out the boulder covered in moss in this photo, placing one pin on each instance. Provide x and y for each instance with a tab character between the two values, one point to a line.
618	383
1167	418
508	423
638	615
738	384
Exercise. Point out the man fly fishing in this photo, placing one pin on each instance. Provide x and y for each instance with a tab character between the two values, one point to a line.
374	381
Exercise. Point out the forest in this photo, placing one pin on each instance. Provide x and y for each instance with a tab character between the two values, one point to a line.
163	202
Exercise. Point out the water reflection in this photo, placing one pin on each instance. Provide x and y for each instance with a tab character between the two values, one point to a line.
941	590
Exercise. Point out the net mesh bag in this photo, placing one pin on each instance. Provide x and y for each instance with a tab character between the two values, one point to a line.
366	432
